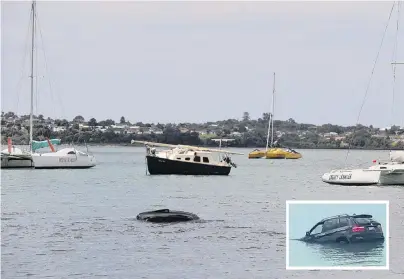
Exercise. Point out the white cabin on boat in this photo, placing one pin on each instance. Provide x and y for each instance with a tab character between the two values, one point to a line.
189	155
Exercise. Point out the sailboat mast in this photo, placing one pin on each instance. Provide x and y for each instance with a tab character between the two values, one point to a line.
32	78
272	114
269	129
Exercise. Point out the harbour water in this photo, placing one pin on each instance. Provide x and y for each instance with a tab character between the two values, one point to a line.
82	223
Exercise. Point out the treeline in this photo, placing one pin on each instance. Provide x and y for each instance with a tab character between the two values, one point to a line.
249	133
360	139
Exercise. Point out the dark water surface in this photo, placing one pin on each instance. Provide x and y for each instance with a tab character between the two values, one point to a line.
82	223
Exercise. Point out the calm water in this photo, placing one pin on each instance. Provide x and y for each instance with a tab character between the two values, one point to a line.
81	223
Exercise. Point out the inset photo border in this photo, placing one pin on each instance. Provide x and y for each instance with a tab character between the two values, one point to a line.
337	235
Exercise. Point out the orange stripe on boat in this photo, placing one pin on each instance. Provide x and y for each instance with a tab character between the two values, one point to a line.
50	145
9	144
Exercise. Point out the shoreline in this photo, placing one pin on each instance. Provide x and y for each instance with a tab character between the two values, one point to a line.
242	147
4	145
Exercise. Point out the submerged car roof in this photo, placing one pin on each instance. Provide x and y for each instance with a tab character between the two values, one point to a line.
348	216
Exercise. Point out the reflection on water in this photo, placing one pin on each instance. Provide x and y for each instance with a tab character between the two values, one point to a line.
336	254
363	254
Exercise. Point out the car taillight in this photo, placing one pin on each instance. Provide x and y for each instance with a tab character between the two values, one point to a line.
358	229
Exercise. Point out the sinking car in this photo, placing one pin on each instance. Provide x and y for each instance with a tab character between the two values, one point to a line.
166	216
345	229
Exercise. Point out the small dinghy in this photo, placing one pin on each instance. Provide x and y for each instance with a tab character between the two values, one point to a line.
166	216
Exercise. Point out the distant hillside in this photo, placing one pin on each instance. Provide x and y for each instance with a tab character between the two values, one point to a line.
246	132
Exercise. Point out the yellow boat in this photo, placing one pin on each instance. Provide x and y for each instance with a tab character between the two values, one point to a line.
256	154
282	153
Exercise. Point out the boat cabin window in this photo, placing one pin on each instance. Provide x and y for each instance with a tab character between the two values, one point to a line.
178	158
187	159
205	159
71	152
197	159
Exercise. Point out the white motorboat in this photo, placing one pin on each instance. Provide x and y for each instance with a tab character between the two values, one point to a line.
186	160
381	173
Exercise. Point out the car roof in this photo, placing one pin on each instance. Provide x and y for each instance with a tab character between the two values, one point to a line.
347	216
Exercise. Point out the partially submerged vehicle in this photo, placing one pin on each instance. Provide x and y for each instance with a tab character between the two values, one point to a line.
345	229
166	216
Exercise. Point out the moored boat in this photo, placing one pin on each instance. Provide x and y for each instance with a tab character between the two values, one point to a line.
186	160
282	153
273	150
13	157
256	154
381	173
63	158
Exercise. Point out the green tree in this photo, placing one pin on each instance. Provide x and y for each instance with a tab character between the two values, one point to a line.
122	121
92	122
78	119
246	116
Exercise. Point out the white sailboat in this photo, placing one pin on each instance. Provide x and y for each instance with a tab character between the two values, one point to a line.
383	173
63	158
388	172
13	157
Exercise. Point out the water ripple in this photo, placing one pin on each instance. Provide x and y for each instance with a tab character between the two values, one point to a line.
82	224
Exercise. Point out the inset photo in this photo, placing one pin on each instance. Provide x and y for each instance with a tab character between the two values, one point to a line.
337	235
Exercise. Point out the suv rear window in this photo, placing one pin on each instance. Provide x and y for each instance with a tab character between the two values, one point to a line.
363	221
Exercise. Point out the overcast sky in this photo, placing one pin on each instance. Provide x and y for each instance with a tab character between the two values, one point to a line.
197	62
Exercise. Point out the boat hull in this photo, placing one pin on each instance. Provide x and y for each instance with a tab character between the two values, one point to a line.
352	178
392	178
256	154
16	161
278	153
157	166
375	175
63	162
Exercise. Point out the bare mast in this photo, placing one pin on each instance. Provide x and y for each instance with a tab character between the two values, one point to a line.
270	119
272	114
32	78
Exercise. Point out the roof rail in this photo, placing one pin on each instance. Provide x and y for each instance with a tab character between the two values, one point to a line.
336	216
361	216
